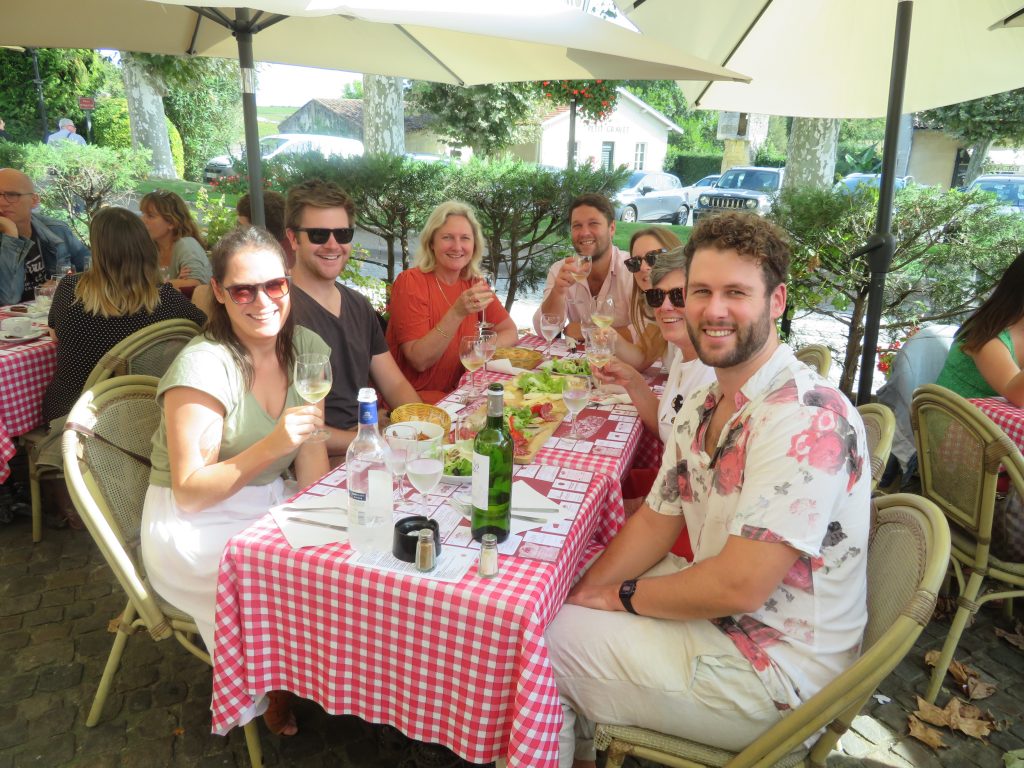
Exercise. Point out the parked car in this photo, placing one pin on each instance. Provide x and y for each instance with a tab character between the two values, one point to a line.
287	144
1007	187
652	196
851	181
745	188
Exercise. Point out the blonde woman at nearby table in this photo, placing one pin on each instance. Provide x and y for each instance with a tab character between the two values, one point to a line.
988	350
118	295
182	249
232	425
442	298
643	343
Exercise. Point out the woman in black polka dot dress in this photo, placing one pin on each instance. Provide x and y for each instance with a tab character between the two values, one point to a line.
119	294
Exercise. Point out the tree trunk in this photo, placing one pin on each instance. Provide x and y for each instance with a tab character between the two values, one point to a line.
146	115
979	150
811	159
383	115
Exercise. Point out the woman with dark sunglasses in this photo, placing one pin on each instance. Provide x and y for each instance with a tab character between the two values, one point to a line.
685	375
232	425
643	343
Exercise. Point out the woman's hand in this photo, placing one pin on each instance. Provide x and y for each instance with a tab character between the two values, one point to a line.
474	299
295	426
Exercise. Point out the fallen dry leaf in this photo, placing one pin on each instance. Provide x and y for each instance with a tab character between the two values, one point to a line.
930	713
925	735
1013	639
968	678
957	715
977	689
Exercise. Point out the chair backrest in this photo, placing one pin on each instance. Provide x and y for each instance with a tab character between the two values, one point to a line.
908	553
959	453
816	356
110	422
880	425
147	352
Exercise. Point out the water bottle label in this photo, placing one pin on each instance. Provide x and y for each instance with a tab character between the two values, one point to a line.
357	496
368	413
481	479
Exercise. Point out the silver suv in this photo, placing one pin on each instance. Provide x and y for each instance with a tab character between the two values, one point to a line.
750	189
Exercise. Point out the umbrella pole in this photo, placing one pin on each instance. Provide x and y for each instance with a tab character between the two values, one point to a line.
243	33
881	245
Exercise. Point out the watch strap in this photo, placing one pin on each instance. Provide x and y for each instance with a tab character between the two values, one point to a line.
626	590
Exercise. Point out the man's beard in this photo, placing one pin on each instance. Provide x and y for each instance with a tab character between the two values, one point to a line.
750	340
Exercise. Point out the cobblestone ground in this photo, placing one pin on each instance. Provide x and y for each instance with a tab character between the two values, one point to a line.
56	598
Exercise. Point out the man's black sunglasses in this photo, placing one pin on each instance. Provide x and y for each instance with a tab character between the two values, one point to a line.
651	257
320	235
656	297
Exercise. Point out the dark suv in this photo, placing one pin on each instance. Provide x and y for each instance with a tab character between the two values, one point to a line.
750	189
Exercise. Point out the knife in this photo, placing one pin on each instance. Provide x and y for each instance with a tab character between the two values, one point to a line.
318	523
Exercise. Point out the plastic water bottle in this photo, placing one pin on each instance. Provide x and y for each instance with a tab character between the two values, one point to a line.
370	483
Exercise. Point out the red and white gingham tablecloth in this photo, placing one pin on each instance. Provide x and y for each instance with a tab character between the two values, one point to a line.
1008	417
461	664
25	370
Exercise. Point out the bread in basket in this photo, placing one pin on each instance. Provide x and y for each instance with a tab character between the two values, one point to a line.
519	357
422	412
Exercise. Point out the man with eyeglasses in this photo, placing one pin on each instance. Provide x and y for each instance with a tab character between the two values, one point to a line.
768	469
66	131
320	217
32	246
567	292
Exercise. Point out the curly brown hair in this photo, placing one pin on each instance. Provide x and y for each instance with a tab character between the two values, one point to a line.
749	235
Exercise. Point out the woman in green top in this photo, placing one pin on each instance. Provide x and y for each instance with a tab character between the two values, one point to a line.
983	361
232	424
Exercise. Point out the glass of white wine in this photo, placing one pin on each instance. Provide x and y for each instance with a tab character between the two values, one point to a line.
550	326
424	467
313	379
472	355
576	395
402	440
601	348
604	313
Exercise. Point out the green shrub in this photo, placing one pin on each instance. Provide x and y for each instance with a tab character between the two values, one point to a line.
12	155
111	127
690	167
769	157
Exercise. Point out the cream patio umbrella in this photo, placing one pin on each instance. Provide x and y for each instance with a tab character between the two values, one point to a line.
452	41
831	58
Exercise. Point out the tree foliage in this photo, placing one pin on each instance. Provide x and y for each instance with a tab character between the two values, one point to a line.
487	118
595	99
938	268
998	117
66	75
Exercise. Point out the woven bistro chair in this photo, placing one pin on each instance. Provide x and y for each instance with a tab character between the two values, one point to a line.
148	352
960	452
106	444
816	356
880	426
908	550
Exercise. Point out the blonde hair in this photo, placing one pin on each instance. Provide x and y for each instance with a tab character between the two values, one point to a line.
175	210
640	315
123	278
425	258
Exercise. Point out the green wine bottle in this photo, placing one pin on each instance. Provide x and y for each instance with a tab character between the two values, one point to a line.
492	471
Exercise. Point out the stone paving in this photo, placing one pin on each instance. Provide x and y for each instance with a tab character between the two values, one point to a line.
56	598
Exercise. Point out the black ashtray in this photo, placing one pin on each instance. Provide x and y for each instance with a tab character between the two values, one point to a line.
407	533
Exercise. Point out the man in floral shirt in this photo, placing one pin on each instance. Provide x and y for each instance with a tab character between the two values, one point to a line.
768	471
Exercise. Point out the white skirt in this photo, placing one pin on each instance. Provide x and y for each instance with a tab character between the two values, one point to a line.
181	550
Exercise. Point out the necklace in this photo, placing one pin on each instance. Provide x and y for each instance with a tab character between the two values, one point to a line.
441	290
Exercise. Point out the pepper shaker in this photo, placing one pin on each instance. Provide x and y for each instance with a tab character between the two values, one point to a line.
488	565
426	557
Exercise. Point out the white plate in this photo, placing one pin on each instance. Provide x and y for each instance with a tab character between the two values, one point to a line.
456	479
35	333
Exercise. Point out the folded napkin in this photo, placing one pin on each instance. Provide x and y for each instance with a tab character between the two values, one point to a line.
335	500
504	365
526	499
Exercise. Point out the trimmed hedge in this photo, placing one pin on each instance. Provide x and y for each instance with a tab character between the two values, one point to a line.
693	167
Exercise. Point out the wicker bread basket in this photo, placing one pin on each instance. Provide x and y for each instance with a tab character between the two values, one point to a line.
422	412
519	357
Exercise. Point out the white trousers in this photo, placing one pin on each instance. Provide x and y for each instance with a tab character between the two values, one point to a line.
684	678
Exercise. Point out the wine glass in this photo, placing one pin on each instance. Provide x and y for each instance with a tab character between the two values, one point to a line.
313	378
550	326
489	344
582	265
604	313
424	466
401	440
487	277
471	353
576	395
601	348
469	423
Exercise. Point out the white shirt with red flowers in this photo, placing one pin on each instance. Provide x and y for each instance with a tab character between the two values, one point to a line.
791	466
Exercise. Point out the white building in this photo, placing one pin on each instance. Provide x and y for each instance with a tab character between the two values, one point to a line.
635	135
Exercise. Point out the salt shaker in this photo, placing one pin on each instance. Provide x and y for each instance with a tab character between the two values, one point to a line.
426	557
488	565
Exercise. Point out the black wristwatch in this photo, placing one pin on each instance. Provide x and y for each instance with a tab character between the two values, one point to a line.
626	591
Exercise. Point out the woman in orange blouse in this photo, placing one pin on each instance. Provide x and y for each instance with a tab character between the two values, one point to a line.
440	299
